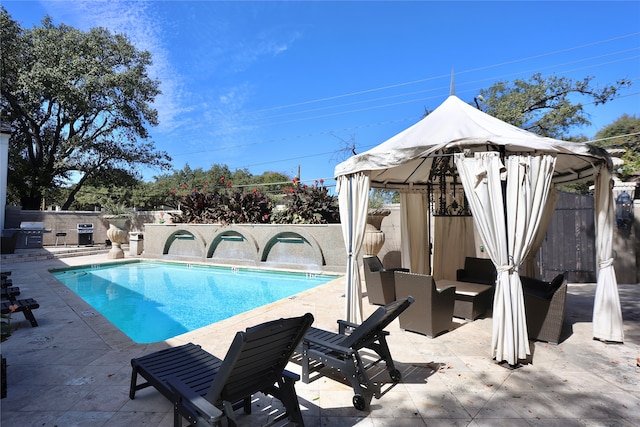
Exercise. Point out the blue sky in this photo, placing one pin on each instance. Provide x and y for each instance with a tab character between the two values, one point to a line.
277	86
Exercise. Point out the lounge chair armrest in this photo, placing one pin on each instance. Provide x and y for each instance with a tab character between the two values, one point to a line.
344	324
208	411
329	345
290	375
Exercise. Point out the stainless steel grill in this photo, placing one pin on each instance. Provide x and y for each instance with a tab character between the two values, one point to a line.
85	234
31	234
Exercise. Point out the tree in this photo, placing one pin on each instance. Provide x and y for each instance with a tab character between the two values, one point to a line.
79	104
546	107
623	133
220	176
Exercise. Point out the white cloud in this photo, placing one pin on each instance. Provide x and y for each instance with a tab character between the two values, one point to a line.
190	117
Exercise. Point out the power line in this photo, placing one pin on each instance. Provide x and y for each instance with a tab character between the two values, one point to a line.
413	100
553	66
613	137
446	75
391	105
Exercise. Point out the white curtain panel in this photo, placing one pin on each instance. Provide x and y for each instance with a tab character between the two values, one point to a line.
507	243
414	232
528	187
481	179
453	241
607	312
353	199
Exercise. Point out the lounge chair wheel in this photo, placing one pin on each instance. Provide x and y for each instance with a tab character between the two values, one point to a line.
396	376
359	403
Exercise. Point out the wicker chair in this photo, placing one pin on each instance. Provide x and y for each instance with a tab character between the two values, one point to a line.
379	281
432	312
544	304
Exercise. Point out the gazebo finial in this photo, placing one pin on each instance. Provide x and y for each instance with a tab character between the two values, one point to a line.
452	90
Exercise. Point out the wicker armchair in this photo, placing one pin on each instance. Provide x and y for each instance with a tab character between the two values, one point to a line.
379	281
544	304
432	311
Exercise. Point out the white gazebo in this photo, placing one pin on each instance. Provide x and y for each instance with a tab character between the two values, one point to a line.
508	176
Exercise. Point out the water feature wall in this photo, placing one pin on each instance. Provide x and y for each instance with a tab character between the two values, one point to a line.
308	247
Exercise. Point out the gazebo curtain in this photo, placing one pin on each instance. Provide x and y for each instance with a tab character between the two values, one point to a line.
507	239
353	198
528	185
607	312
481	180
414	232
453	241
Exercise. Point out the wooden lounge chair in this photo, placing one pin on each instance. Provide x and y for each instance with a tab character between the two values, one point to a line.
342	350
206	390
432	312
379	281
25	306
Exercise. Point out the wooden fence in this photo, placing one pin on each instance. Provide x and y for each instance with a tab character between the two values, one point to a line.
569	244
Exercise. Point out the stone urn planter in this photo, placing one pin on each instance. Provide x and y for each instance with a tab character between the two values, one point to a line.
373	236
117	233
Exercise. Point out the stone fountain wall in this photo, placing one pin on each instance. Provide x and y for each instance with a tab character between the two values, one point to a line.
308	247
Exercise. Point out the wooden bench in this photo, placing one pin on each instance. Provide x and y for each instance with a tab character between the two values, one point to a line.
472	299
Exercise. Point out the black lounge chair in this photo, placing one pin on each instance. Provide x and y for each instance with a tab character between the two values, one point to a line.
5	281
10	293
341	350
206	390
25	306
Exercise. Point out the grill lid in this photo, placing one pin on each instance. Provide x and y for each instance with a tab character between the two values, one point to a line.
31	225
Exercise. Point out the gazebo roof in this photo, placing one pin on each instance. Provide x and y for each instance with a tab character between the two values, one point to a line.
455	127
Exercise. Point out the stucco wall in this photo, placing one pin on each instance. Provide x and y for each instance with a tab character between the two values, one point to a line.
325	241
67	221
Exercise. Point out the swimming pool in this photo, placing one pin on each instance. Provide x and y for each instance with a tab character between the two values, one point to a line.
154	301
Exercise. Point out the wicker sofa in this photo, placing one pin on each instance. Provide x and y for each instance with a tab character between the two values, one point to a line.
544	304
477	270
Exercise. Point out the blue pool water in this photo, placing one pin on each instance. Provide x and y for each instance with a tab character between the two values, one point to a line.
153	301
